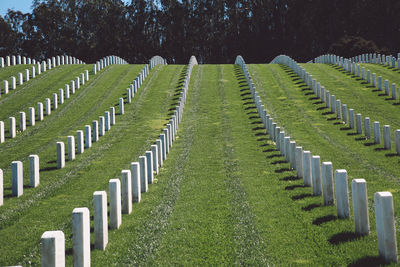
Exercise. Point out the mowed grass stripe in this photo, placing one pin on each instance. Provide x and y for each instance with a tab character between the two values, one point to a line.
37	90
200	230
282	93
47	153
105	160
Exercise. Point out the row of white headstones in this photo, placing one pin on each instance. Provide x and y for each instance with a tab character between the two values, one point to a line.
341	109
58	99
354	68
372	58
323	181
122	193
40	68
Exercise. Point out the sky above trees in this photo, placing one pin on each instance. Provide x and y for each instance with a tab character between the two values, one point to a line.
215	31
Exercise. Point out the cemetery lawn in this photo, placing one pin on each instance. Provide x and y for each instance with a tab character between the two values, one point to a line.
307	120
225	196
37	90
49	206
7	72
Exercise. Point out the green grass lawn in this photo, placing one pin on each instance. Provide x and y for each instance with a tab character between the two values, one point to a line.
303	117
37	90
224	196
50	205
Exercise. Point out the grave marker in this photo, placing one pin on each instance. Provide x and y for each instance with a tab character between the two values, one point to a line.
13	127
81	237
360	206
100	220
60	155
53	249
143	174
342	194
136	182
327	183
377	133
115	203
17	178
71	147
126	180
385	226
386	137
34	168
80	142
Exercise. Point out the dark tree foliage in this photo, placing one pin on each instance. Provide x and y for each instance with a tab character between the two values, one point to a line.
213	30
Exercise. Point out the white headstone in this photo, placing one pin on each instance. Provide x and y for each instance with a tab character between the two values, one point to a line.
34	168
377	132
154	151
81	237
100	220
71	147
40	111
13	83
17	178
126	179
135	174
386	137
149	163
60	155
22	121
327	183
115	203
121	106
5	85
53	249
385	226
107	120
13	127
299	162
360	206
342	194
112	116
31	114
143	174
307	173
95	125
316	175
80	142
88	136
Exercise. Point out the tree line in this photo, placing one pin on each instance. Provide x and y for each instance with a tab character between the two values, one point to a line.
215	31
